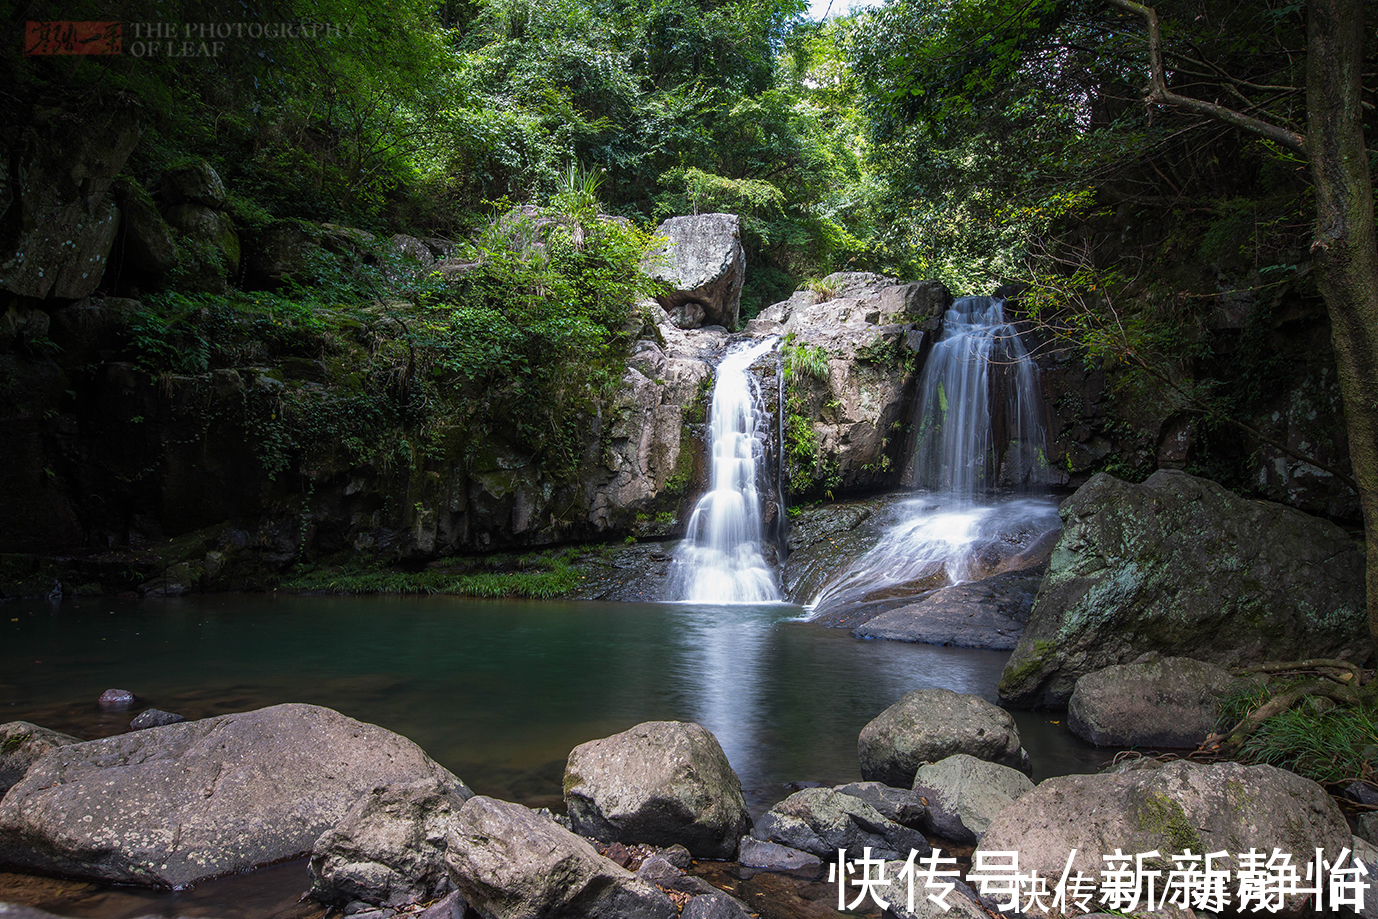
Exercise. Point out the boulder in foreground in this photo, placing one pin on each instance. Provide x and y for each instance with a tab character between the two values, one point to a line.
512	863
173	805
389	850
21	744
661	783
1169	808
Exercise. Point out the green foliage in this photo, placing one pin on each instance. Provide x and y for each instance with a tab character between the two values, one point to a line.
536	577
1328	743
805	361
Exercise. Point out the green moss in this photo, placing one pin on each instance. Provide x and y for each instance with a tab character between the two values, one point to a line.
1019	673
14	742
1160	815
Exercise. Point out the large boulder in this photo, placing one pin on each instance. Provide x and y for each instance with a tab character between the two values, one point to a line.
174	805
662	782
821	821
1169	808
1161	702
1181	566
965	794
854	341
928	725
21	744
512	863
389	850
704	264
64	221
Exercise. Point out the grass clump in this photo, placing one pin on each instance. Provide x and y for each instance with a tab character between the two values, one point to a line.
532	578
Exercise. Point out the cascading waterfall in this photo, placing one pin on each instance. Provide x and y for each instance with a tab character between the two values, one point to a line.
720	560
978	419
978	427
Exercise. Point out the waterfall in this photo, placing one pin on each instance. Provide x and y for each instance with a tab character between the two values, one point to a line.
720	560
978	419
977	427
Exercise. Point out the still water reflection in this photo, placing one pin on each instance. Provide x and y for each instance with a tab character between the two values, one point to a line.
500	691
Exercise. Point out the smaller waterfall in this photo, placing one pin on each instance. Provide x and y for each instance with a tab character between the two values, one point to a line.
720	560
978	420
977	427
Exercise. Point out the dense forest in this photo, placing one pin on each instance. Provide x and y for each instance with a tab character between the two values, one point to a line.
1140	177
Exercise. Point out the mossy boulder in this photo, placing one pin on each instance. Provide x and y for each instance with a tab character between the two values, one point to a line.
1164	810
1181	566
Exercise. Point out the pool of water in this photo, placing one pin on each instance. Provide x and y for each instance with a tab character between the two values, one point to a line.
499	692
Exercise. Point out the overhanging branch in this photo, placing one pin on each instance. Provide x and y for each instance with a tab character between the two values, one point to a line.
1158	91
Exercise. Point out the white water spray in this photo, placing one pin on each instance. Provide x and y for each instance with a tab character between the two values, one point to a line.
720	560
978	427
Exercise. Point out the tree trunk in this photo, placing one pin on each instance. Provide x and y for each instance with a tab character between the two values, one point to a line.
1345	247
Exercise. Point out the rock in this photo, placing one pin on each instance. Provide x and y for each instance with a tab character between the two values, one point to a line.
174	805
1181	805
660	783
821	821
858	407
989	613
389	850
1162	702
210	228
21	744
965	794
20	911
116	700
153	718
450	906
283	249
714	906
193	183
1180	566
510	863
658	871
770	856
930	901
898	804
704	263
64	163
145	239
928	725
1366	827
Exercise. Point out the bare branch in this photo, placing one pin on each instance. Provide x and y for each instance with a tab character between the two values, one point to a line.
1158	91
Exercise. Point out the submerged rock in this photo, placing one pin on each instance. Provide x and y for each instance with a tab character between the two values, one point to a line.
154	718
510	863
989	613
389	850
1164	702
1181	566
965	794
823	820
662	782
1225	808
173	805
928	725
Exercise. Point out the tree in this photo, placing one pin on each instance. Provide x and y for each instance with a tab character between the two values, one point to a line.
1345	248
